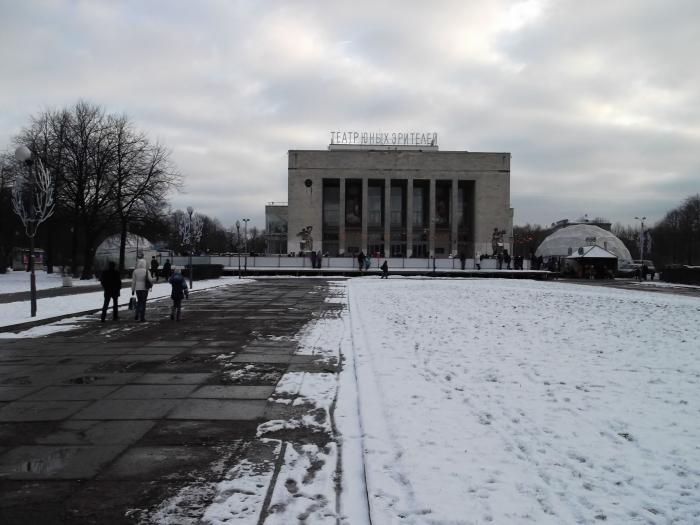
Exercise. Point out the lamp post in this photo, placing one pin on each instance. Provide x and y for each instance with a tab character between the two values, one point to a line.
238	246
245	241
190	211
642	238
32	201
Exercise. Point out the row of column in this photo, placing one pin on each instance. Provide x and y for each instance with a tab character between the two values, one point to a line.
454	219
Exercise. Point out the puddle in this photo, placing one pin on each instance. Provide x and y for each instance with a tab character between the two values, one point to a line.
84	380
52	462
22	380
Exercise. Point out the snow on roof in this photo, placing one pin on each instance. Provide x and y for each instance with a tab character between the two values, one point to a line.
592	252
111	244
568	240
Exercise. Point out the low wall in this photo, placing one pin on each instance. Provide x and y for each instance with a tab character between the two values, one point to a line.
335	262
681	274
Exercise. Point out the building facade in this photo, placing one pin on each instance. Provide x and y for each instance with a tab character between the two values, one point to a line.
398	202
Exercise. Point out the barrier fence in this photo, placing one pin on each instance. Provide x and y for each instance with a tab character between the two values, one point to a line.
335	262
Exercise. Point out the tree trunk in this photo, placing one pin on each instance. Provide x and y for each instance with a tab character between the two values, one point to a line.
122	246
88	259
74	250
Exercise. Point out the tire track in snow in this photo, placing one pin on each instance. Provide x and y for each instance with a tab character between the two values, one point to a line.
393	485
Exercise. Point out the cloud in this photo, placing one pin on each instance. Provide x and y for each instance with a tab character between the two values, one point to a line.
597	101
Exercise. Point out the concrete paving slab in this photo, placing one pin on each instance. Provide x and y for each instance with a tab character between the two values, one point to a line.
40	410
105	378
172	344
106	409
71	393
33	501
10	393
77	432
55	462
233	409
166	463
200	432
233	392
175	379
152	392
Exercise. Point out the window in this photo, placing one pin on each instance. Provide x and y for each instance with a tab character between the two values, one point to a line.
374	205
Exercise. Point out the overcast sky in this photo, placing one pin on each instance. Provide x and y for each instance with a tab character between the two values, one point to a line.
598	101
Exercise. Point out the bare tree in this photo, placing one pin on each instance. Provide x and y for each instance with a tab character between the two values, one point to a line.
33	202
143	176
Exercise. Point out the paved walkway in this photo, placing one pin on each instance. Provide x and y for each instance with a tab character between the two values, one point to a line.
100	424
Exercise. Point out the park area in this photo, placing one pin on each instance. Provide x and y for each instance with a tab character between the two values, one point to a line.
418	401
513	402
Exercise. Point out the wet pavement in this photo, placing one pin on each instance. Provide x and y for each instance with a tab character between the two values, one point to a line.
102	423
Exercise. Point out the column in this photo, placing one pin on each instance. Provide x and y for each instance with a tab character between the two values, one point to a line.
431	218
365	215
454	217
387	217
341	219
409	217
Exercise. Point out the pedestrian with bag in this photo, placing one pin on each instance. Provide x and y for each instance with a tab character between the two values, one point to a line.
111	284
140	285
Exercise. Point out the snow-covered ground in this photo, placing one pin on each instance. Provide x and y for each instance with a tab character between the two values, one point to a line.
12	282
525	402
19	311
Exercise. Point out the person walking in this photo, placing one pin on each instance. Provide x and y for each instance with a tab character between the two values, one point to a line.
179	290
154	268
111	284
140	284
385	270
166	269
361	260
506	259
462	259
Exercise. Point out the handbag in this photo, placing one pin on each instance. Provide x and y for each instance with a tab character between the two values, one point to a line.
132	303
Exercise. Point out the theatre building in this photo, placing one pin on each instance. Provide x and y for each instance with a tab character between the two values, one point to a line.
397	200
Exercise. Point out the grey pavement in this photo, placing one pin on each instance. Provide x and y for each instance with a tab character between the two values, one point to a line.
102	423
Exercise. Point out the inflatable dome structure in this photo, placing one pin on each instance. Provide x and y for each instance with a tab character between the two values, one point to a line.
108	250
569	239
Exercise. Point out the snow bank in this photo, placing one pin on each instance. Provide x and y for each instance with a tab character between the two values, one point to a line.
527	402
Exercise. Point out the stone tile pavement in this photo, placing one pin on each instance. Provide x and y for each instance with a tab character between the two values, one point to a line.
102	423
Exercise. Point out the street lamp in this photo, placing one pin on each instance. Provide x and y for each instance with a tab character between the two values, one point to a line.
32	201
190	211
238	246
245	241
642	238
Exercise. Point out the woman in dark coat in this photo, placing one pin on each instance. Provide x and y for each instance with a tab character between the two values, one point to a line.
111	283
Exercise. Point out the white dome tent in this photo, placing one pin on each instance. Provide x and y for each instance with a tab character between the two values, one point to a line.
108	250
569	239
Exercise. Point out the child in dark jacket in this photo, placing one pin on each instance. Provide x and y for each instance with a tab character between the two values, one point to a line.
179	285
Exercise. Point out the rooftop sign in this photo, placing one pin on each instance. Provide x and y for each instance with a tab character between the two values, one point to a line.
363	138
